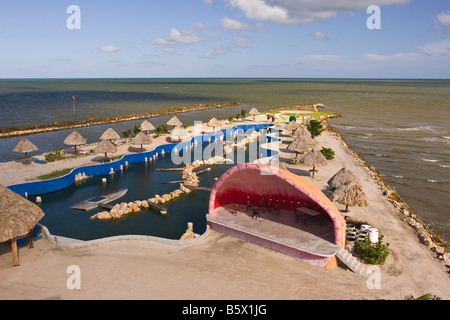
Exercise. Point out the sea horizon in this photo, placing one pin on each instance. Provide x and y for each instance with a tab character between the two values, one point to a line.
226	77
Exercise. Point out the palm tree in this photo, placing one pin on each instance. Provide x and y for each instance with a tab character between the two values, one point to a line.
427	296
136	130
243	113
161	129
315	128
230	119
127	134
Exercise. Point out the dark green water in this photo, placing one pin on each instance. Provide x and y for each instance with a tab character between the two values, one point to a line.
401	127
143	182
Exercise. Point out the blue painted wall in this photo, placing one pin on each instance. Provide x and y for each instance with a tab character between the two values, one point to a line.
42	187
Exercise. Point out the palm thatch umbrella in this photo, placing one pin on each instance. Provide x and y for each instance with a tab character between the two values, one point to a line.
75	139
342	177
253	112
105	147
178	133
292	126
110	135
141	138
18	217
314	158
214	123
299	146
25	146
147	126
174	122
350	194
303	133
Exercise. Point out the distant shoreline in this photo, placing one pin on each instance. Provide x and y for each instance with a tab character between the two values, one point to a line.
28	130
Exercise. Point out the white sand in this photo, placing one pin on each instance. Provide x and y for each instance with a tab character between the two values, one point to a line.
221	267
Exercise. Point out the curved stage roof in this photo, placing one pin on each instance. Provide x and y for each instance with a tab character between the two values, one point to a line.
251	185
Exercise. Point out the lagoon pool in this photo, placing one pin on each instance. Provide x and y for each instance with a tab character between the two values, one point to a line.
143	182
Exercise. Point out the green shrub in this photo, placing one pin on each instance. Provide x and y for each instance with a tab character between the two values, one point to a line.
372	253
161	129
327	153
53	156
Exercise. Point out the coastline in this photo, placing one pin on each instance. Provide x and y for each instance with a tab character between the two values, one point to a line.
397	270
15	132
425	234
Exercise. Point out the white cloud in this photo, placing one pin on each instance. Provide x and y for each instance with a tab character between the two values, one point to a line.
109	48
260	10
119	63
321	58
234	25
440	48
208	2
302	11
200	26
398	57
178	37
435	49
320	36
172	51
443	18
242	39
219	50
213	36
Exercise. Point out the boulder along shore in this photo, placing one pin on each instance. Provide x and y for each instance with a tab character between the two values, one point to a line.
425	234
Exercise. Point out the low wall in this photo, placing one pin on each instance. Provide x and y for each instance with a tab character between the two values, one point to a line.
42	187
47	186
69	243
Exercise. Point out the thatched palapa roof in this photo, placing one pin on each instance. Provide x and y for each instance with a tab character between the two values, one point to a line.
214	123
314	158
292	126
105	147
141	139
110	134
25	146
350	194
254	111
179	131
174	122
75	139
147	126
342	177
298	145
303	133
17	215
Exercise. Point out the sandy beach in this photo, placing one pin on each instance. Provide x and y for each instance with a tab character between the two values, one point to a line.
222	267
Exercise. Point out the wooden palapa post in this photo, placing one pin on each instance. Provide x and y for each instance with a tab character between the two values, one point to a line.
15	252
30	239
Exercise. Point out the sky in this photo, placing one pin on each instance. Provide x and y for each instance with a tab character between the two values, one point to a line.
225	38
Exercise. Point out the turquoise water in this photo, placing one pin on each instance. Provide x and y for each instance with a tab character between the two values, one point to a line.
401	127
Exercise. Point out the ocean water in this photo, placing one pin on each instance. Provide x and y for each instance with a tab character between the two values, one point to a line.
401	127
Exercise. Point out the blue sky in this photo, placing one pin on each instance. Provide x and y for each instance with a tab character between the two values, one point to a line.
225	38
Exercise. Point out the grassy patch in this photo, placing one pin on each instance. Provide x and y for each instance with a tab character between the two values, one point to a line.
312	114
55	174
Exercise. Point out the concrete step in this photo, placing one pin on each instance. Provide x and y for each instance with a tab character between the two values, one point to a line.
350	261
